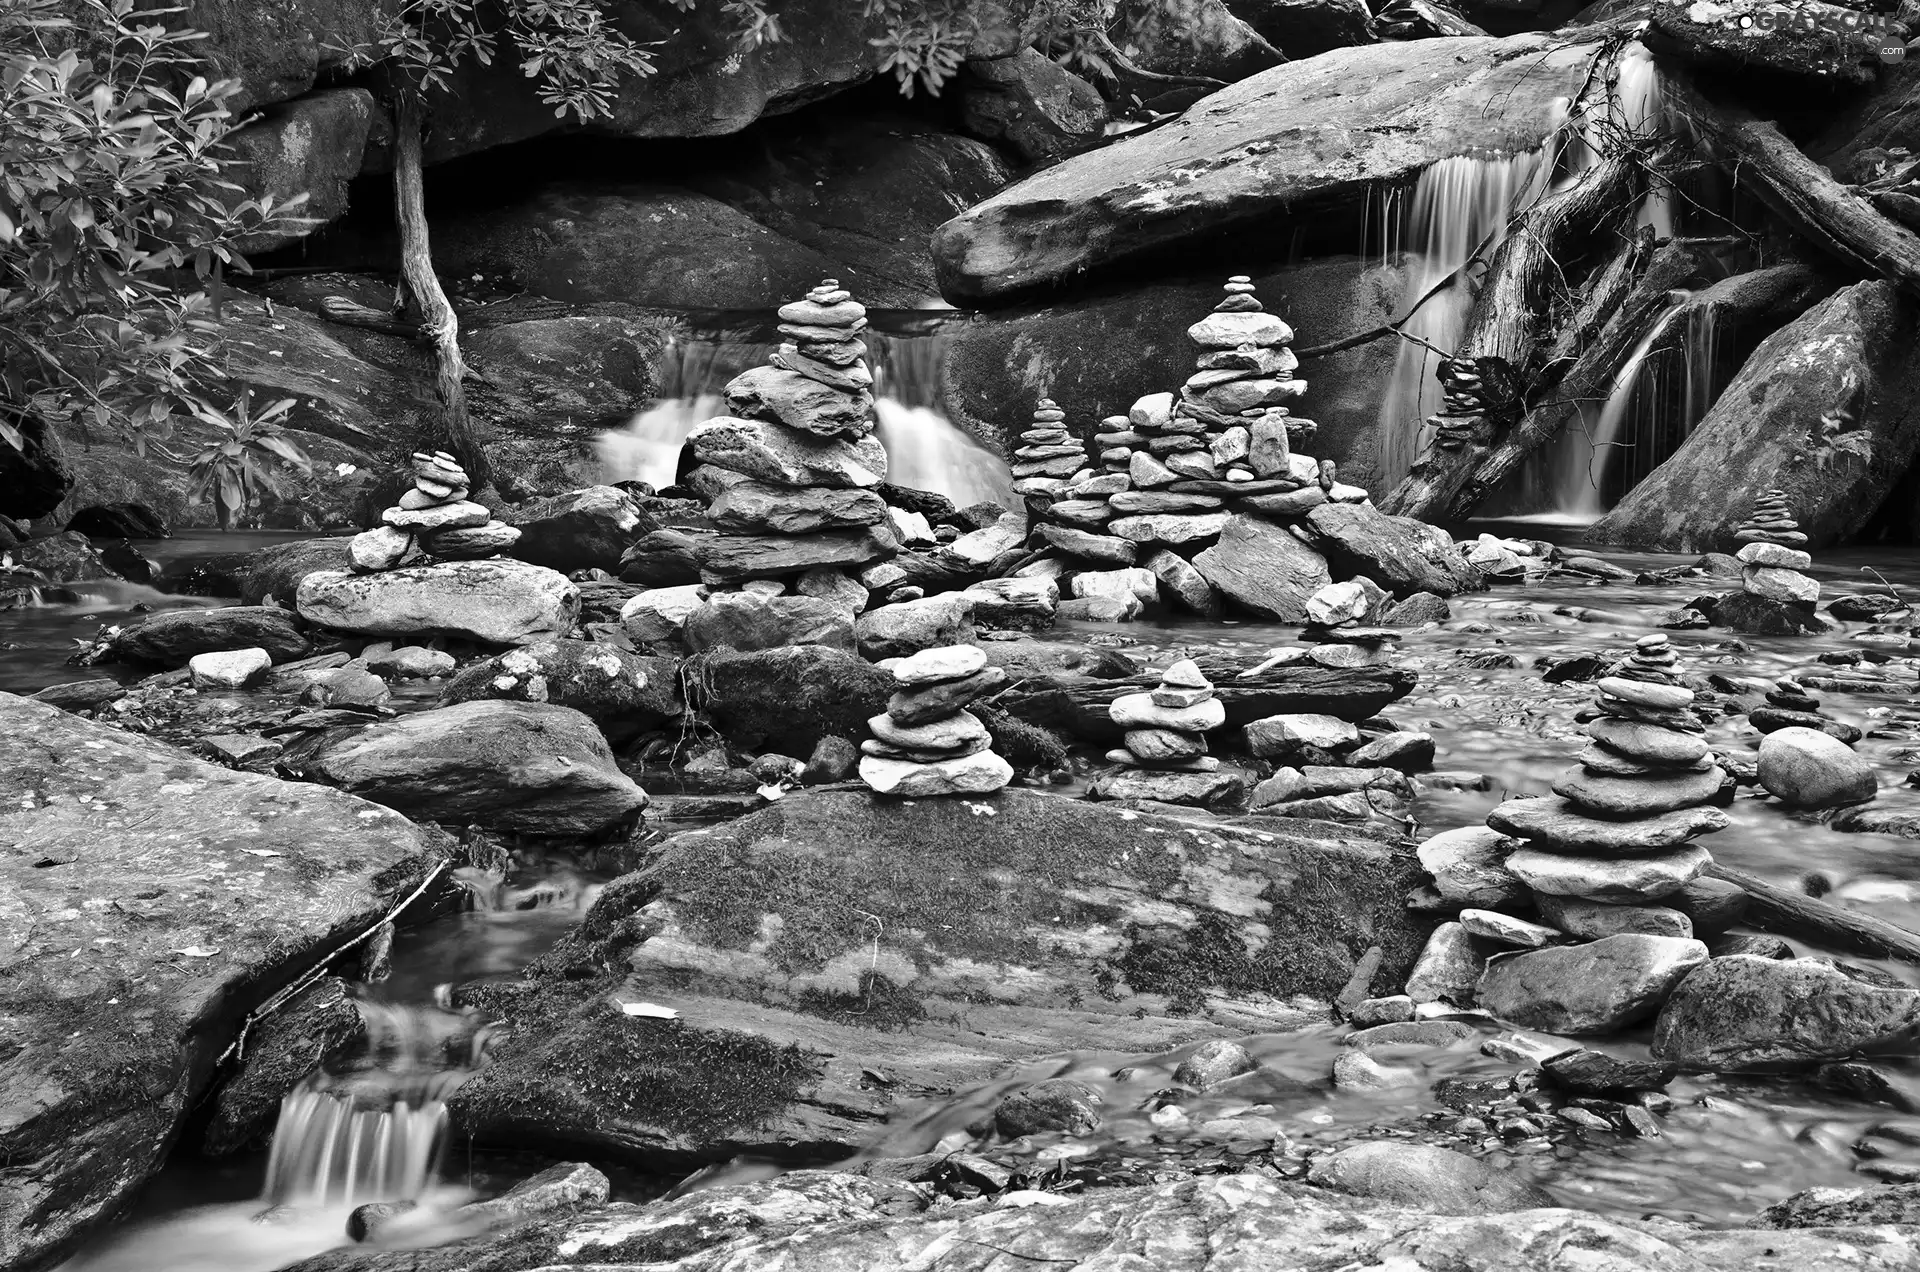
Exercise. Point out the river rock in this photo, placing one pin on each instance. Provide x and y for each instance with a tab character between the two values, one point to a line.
786	699
1139	711
1621	880
228	669
528	767
1597	1073
1742	1014
919	705
1058	1104
758	506
411	662
1804	768
1448	969
980	773
494	602
751	620
773	453
800	402
1491	925
1263	568
664	558
625	694
908	627
1638	797
459	515
660	613
1595	920
1358	1071
191	891
1402	555
1468	866
1647	743
740	558
1431	1179
753	932
171	638
1645	693
590	529
1218	788
1561	823
1596	988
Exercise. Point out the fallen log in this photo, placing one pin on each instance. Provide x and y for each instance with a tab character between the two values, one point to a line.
1758	156
1760	302
1078	705
1514	305
1784	912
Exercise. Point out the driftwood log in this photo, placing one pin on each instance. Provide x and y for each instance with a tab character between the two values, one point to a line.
1511	313
1760	158
1784	912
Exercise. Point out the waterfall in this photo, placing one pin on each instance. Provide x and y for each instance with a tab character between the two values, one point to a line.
925	450
1456	204
1582	464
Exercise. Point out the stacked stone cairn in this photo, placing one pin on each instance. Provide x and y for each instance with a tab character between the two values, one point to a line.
1048	454
435	520
1164	745
1608	864
789	475
1772	564
926	742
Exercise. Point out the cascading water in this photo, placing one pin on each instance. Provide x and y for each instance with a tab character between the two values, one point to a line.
925	450
1579	491
1456	205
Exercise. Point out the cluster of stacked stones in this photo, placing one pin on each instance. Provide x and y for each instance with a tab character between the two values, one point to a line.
1169	474
790	474
433	519
1048	454
1164	744
1601	858
1770	556
927	742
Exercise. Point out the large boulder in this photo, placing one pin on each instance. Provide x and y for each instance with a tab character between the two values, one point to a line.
786	699
625	694
589	529
171	638
1401	554
853	1222
1101	353
907	627
312	146
1192	37
1827	408
528	767
274	574
1035	106
1744	1013
1595	988
831	935
149	900
495	602
1805	768
1299	140
1262	567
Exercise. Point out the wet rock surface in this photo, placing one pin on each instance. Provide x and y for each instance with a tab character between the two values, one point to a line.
150	899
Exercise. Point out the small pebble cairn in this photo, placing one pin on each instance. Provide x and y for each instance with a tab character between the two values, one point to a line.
435	519
1771	564
927	742
1047	454
1166	731
1619	826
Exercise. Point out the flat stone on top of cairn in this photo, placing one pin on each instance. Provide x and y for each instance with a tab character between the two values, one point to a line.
927	743
433	519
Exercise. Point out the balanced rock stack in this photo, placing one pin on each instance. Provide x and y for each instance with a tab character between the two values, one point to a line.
789	476
434	519
1775	598
1771	521
1165	744
927	742
1619	826
1048	453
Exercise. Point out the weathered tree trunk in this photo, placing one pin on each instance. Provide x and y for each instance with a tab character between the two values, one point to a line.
1515	302
437	320
1802	193
1599	304
1787	913
1671	266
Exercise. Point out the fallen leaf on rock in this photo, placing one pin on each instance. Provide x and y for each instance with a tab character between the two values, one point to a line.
653	1010
195	951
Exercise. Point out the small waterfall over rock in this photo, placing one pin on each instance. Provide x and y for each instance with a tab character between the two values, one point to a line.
1583	460
1456	205
925	449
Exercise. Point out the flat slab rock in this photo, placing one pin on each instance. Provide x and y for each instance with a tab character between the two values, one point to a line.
832	935
851	1223
494	602
147	900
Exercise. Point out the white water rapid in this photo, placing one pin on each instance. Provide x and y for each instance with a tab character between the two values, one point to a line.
925	450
